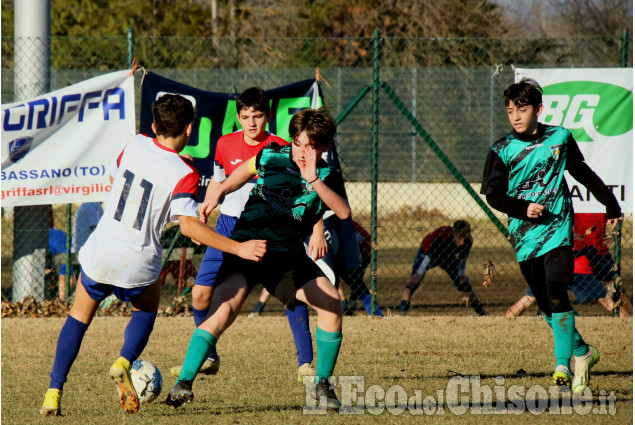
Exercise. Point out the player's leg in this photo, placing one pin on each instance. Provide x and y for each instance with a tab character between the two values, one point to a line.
145	302
299	324
70	341
321	295
260	306
421	264
548	277
359	290
228	300
520	306
202	295
203	291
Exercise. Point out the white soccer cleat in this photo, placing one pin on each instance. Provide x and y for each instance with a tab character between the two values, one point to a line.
583	365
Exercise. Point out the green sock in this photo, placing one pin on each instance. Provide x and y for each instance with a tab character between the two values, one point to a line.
200	344
580	348
328	347
563	326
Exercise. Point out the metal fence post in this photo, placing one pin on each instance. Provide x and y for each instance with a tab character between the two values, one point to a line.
624	55
130	38
69	254
374	175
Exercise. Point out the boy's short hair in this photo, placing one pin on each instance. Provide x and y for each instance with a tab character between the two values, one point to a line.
461	227
525	92
318	124
253	97
172	113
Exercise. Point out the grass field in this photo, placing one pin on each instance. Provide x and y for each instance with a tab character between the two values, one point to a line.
257	382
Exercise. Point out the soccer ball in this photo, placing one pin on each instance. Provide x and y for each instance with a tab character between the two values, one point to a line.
146	379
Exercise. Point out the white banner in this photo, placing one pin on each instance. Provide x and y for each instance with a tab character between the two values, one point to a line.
596	105
56	147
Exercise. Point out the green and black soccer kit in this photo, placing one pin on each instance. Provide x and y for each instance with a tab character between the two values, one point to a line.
282	209
521	170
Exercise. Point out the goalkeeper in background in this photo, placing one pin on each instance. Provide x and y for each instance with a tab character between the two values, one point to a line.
446	247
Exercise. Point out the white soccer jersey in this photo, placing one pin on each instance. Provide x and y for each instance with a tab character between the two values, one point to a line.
152	186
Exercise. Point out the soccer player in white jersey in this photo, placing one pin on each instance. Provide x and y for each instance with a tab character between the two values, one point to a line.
151	186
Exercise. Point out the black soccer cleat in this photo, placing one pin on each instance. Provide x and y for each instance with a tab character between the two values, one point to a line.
325	396
180	394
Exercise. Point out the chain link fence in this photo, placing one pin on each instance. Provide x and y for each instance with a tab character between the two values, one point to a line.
439	106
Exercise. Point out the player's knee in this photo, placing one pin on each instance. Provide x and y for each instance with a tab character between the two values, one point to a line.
226	312
202	296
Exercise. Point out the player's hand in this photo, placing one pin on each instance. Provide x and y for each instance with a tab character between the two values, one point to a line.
612	223
309	171
188	157
535	210
207	207
415	278
252	250
318	246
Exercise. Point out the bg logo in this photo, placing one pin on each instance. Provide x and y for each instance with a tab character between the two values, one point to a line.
19	147
590	110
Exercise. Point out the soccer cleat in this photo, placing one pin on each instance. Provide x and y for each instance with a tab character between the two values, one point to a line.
562	376
583	366
325	396
209	367
120	374
254	314
180	394
305	369
52	405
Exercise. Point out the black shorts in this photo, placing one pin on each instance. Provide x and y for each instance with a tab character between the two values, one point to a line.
554	266
281	273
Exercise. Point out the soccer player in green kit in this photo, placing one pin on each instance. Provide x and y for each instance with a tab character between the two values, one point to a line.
524	178
293	190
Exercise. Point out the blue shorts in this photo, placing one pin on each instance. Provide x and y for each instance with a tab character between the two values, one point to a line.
585	287
213	257
99	291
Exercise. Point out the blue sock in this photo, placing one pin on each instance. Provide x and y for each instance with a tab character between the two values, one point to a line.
68	344
259	307
199	317
137	334
299	323
563	325
365	299
580	348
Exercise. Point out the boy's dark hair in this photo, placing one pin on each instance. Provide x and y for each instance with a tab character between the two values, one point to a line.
461	227
172	113
253	97
318	124
525	92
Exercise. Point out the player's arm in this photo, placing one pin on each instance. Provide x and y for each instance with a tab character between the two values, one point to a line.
581	171
335	202
318	246
494	187
193	228
235	181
